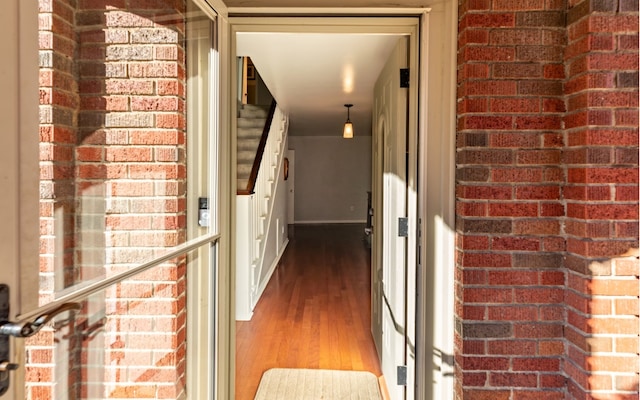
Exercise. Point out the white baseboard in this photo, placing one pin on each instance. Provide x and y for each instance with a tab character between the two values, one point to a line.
354	221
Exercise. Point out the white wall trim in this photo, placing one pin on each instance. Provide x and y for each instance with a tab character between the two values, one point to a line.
311	11
346	221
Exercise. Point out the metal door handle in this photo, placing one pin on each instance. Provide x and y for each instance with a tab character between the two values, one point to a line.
30	328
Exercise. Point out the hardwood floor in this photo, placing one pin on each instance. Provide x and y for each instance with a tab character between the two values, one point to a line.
315	311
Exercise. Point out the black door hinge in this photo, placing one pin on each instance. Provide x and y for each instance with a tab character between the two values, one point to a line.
404	77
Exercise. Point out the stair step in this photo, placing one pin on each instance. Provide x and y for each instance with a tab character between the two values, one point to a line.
246	156
253	111
244	169
249	132
247	144
251	122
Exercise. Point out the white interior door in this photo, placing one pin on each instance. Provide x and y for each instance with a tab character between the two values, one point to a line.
291	186
390	131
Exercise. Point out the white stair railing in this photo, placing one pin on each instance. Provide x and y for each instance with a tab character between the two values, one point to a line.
253	220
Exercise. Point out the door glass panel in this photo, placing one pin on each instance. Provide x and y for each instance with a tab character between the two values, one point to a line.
125	155
113	139
125	342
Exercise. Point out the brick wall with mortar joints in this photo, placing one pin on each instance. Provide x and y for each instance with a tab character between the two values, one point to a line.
58	123
130	145
608	316
510	280
601	194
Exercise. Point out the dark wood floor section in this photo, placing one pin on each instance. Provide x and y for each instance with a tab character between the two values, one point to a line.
315	311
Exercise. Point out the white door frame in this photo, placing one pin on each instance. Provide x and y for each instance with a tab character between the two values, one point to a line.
434	156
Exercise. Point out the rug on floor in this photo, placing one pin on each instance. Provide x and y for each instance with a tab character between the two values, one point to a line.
317	384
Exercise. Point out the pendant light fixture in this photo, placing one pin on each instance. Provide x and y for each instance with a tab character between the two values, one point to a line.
347	132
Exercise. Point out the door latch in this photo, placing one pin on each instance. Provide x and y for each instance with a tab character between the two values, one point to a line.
20	330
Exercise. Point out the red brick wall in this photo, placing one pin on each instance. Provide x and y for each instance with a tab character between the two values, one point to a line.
601	193
509	188
113	179
547	199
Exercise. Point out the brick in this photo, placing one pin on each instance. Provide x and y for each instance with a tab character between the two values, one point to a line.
487	295
467	209
515	243
485	363
540	53
154	35
486	260
536	227
134	87
472	139
538	157
128	154
474	277
628	42
551	348
514	105
490	394
613	23
493	20
538	192
512	347
540	19
156	103
472	174
474	378
494	226
627	364
485	192
606	61
517	175
539	88
513	209
473	36
516	70
604	137
513	380
512	313
492	156
514	36
553	312
158	69
472	313
486	330
538	395
170	121
626	344
554	71
473	242
485	122
554	244
491	87
626	118
536	364
614	287
538	295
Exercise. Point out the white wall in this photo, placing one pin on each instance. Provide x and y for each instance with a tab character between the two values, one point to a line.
332	177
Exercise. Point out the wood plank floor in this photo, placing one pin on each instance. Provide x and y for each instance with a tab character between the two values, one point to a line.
315	311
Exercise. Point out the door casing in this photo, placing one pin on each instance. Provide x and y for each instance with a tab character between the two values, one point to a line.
411	26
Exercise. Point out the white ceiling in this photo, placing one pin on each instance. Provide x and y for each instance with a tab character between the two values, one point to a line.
313	75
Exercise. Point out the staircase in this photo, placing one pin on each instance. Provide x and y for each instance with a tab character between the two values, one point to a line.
251	120
261	209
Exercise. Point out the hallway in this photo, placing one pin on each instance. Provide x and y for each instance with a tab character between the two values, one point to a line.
314	313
